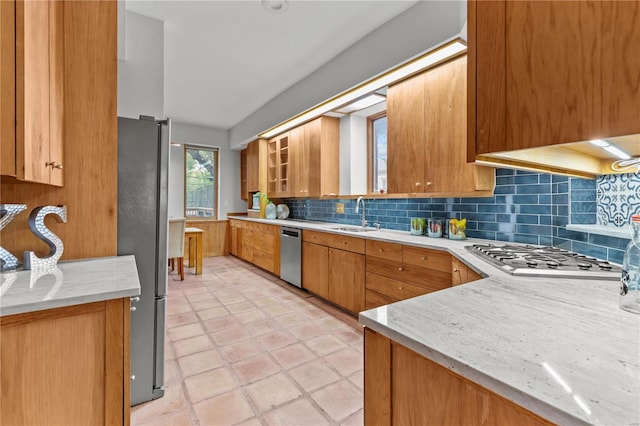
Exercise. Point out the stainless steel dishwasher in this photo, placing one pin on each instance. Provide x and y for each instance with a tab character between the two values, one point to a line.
291	255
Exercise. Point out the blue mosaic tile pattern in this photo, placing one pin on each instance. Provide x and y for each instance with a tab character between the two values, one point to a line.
618	198
527	207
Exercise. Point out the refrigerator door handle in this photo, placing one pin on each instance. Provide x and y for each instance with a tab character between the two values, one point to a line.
158	366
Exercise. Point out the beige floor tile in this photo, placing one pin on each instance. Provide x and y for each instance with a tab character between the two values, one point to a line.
207	314
230	335
350	336
339	400
306	330
251	422
292	319
324	344
205	304
169	352
346	361
178	418
250	316
199	362
231	298
293	355
241	350
185	331
255	368
273	391
208	384
237	308
199	297
276	339
173	400
191	289
171	372
277	309
263	327
356	419
181	319
226	409
357	379
219	324
300	413
173	309
192	345
266	301
313	375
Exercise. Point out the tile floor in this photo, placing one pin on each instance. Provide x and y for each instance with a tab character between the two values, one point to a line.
245	348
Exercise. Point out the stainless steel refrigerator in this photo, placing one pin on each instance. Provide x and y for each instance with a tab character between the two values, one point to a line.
143	151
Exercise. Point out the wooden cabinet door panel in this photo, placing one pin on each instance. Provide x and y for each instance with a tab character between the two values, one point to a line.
243	175
315	269
459	272
620	75
7	89
346	279
253	166
377	380
406	136
424	393
299	161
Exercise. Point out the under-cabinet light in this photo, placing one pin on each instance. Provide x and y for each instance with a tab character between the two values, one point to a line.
430	59
363	103
611	149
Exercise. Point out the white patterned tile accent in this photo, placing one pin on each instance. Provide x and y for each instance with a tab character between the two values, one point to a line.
618	198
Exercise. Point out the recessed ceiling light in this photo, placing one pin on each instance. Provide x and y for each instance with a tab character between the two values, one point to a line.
275	6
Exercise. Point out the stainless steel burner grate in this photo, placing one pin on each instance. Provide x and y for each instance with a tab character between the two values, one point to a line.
541	261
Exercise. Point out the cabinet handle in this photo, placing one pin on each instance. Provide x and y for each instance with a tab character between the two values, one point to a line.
54	165
380	250
418	184
135	299
133	308
344	242
400	288
456	270
424	258
400	268
428	183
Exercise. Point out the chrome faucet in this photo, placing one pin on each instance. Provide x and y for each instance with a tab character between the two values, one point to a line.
364	220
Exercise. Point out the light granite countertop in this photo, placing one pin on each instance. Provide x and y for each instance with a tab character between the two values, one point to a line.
559	347
72	283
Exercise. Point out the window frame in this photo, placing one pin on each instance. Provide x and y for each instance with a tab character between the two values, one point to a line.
216	195
371	151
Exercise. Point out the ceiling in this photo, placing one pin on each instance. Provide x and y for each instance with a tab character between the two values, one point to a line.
226	59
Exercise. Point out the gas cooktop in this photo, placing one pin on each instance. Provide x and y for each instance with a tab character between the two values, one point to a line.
536	261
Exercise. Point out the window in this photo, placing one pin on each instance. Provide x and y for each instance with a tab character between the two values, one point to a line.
200	182
377	141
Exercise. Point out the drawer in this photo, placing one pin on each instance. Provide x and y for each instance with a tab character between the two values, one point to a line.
428	278
393	288
426	258
264	239
341	242
262	246
373	300
459	272
384	250
385	267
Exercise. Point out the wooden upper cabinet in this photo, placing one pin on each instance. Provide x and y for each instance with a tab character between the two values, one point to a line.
253	166
315	158
426	144
546	72
243	175
39	84
7	88
278	166
406	143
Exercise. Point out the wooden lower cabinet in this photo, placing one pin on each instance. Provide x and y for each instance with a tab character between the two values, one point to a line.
346	279
461	273
315	273
67	366
257	243
405	388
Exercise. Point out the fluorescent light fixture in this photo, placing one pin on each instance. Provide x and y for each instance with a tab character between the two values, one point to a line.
611	149
429	59
362	103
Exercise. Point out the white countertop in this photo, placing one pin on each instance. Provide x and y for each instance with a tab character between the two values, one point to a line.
72	283
559	347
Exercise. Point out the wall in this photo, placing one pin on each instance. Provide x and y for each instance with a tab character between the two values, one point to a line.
418	29
353	154
141	75
618	198
526	207
228	160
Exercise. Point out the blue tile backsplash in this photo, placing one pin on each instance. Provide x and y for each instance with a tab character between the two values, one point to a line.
527	207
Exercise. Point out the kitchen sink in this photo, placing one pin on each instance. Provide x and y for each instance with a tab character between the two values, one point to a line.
354	229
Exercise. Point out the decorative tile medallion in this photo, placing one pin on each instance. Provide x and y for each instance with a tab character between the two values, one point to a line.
618	198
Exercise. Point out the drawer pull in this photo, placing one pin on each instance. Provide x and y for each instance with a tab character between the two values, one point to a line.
400	268
380	250
424	258
344	242
400	288
456	270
